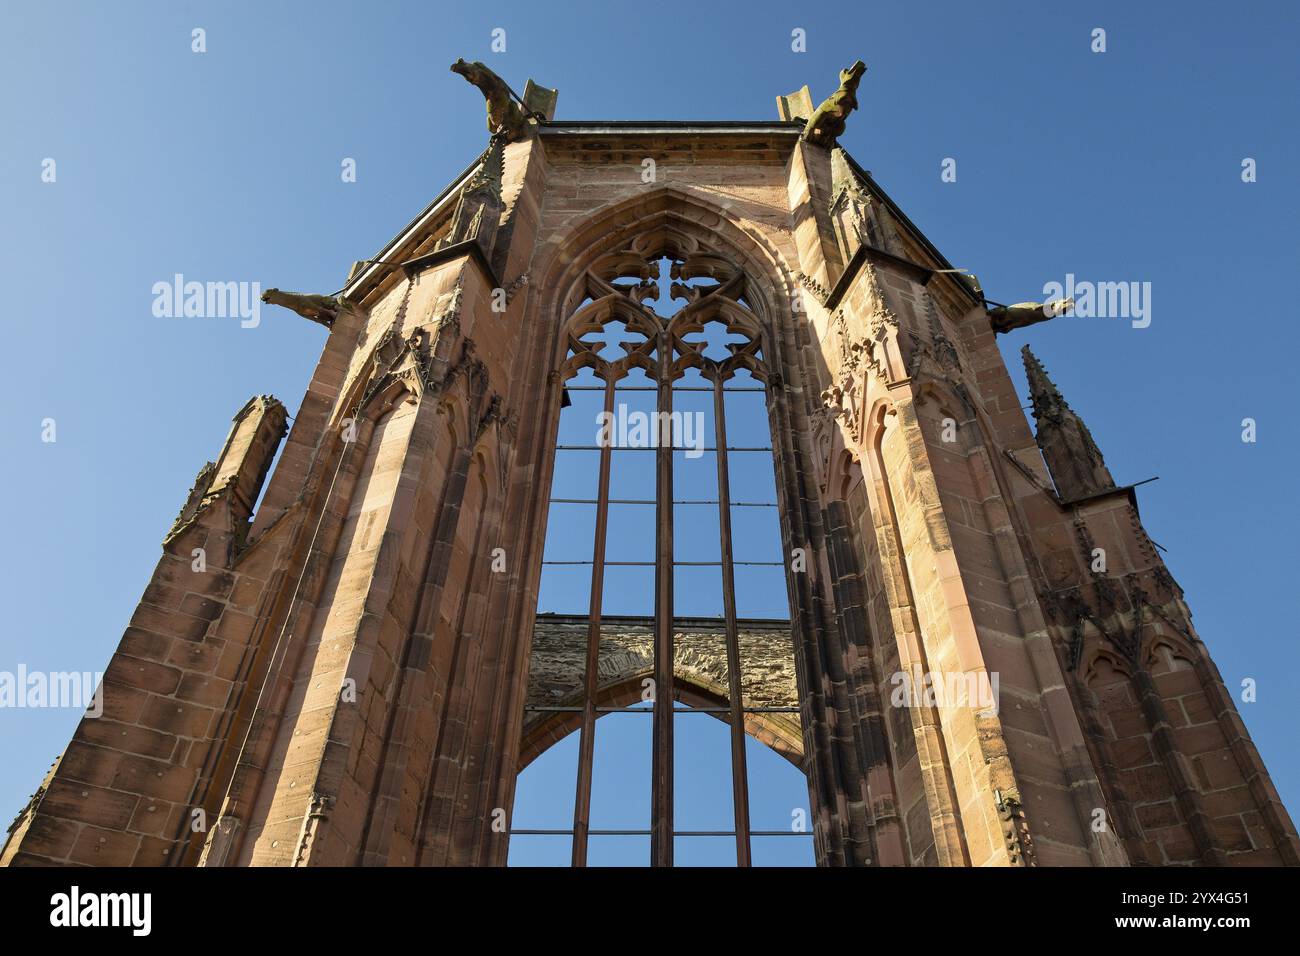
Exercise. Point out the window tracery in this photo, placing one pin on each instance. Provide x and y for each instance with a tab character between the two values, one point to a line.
675	598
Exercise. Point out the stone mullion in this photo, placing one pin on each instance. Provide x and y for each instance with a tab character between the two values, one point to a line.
587	740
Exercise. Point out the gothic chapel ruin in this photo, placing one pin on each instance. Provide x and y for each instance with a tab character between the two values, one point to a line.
360	672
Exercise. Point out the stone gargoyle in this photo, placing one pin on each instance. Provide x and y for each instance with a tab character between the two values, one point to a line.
504	116
318	308
827	122
1004	318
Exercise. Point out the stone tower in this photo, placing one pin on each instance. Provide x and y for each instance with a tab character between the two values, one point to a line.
335	669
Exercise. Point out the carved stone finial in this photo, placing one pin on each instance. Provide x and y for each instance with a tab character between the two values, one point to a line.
323	309
505	116
478	211
1072	457
1004	318
827	123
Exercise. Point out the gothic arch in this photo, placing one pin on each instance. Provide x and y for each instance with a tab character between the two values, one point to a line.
392	362
846	472
1155	636
1105	669
540	736
719	272
875	428
669	216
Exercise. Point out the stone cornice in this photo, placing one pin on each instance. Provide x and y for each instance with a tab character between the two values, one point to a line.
715	127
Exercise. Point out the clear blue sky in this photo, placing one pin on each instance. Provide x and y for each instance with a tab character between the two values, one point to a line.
226	166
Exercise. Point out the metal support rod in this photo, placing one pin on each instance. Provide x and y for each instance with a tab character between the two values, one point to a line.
739	774
661	797
587	740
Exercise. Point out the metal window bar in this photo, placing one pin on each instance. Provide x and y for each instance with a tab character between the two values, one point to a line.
663	711
676	833
661	797
587	739
739	771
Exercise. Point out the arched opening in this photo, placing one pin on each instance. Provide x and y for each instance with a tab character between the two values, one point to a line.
662	657
780	822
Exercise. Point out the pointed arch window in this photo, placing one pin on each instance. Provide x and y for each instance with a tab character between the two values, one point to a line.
663	613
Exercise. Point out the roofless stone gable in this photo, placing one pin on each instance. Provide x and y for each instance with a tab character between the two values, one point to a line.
357	675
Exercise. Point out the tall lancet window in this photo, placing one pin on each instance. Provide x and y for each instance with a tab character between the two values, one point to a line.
662	718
